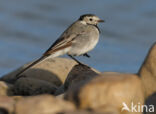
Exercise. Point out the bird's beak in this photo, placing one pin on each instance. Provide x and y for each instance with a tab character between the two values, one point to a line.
101	21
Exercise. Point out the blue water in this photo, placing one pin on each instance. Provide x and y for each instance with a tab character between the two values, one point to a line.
29	27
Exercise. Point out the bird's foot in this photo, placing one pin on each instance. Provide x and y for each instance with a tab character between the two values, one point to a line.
79	63
83	65
86	55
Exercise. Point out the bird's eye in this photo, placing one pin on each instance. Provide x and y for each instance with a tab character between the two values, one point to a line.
90	19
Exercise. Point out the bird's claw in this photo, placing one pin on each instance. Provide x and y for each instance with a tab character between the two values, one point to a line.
86	55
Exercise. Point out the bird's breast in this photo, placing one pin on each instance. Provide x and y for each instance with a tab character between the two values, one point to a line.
86	41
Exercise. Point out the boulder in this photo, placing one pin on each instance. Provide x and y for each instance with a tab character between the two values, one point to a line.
147	72
5	88
151	100
86	112
147	75
107	92
42	104
32	86
53	70
79	74
6	105
60	90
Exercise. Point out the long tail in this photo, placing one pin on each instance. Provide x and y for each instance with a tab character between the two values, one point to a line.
32	64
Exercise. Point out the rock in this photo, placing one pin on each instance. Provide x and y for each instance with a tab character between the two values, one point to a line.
6	105
151	100
86	112
60	90
32	86
147	75
53	70
3	111
60	96
5	88
43	104
17	98
147	72
79	74
107	92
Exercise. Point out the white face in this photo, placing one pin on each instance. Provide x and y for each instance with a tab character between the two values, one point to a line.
94	20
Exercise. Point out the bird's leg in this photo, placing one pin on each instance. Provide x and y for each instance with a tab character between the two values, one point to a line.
75	59
86	54
78	61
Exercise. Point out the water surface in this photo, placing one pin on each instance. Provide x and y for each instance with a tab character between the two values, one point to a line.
29	27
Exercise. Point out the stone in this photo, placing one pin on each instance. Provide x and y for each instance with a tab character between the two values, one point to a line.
107	92
60	90
5	88
3	111
32	86
79	74
151	100
147	72
86	112
53	70
17	98
6	105
42	104
147	75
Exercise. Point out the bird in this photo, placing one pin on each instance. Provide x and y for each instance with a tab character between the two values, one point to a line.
78	39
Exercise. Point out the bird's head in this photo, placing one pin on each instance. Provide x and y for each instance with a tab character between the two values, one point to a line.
90	19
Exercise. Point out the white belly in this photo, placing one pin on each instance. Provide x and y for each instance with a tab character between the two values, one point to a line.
86	47
85	43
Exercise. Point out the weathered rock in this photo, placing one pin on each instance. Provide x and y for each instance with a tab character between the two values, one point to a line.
5	88
6	105
107	92
17	98
53	70
3	111
79	74
86	112
60	90
151	100
110	90
147	75
147	72
43	104
31	86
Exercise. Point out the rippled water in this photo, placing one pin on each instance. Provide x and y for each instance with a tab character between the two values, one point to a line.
29	27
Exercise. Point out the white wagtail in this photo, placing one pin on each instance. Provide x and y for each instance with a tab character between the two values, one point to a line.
78	39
